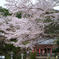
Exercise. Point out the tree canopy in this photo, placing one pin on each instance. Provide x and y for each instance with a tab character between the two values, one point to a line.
4	11
29	22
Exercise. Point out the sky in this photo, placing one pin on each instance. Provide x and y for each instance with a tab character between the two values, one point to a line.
2	2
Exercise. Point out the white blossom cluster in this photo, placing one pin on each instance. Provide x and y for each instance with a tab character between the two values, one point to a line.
28	28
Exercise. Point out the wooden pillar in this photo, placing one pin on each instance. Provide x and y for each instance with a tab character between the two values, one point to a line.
43	51
35	49
47	50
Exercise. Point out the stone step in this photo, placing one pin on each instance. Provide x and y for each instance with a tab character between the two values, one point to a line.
41	54
41	57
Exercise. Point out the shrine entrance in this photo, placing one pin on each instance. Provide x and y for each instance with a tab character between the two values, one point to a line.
43	49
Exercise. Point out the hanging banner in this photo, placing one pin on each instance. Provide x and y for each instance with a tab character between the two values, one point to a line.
39	51
33	50
51	50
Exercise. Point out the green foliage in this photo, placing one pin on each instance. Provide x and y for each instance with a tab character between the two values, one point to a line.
32	55
53	50
47	20
7	56
19	15
10	47
2	53
58	42
57	49
47	17
1	31
54	41
56	11
24	57
51	58
26	42
48	58
4	11
14	40
52	29
17	56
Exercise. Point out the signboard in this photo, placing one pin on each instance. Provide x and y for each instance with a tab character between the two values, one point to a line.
2	56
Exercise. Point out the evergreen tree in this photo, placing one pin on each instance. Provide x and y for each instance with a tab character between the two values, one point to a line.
4	12
57	49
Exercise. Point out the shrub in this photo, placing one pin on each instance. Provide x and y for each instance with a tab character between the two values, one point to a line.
2	53
51	58
7	56
32	55
48	58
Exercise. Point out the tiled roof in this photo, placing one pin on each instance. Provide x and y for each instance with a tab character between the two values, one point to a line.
49	41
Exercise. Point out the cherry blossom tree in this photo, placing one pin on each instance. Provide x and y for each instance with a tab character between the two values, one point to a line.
31	26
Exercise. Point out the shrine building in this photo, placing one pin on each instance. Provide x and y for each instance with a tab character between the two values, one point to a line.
45	46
